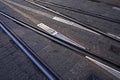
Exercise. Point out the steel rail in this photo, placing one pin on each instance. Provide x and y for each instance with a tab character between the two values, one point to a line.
75	48
107	3
30	54
76	21
80	11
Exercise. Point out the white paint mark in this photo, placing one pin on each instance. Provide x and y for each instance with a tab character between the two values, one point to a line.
63	20
58	35
73	24
107	68
113	35
47	29
55	33
116	8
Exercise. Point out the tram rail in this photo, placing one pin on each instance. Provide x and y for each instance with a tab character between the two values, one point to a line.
67	44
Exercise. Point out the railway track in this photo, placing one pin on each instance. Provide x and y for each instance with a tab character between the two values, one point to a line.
80	11
105	2
26	49
110	36
73	47
5	29
66	43
30	54
14	63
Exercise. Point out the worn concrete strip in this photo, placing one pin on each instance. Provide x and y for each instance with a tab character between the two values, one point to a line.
58	35
30	9
112	35
48	29
73	24
105	67
116	8
64	20
53	17
22	13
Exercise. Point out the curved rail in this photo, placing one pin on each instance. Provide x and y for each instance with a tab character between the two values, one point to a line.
73	47
30	54
104	2
80	11
76	21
